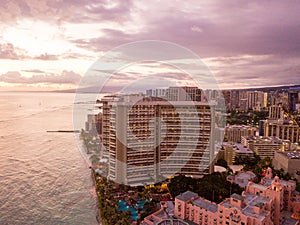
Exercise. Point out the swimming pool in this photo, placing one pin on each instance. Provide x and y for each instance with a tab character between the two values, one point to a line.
134	212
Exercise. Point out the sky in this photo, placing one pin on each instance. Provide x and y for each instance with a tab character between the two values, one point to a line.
51	44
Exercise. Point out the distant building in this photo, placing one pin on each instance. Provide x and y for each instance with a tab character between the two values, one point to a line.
283	100
298	107
234	99
293	99
289	162
283	129
106	108
230	151
227	96
261	129
243	102
276	112
233	133
248	100
212	94
158	92
256	100
184	94
93	125
265	146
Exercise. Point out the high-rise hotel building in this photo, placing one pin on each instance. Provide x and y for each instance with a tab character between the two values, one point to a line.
279	126
149	137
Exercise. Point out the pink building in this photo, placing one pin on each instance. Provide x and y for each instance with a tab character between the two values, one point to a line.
248	209
272	202
266	203
164	216
282	192
189	206
242	179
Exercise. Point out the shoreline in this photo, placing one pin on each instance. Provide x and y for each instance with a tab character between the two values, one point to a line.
63	131
93	177
98	217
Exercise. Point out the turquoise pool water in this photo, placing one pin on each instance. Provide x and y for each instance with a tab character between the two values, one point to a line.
134	213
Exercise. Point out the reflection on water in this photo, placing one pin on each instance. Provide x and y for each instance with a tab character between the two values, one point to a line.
43	178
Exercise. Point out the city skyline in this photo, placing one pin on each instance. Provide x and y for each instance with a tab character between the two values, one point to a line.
50	45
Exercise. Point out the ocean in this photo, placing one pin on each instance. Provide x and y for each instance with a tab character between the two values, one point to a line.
44	178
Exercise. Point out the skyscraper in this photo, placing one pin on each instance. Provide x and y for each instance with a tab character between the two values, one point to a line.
234	99
149	137
276	112
293	100
184	94
256	100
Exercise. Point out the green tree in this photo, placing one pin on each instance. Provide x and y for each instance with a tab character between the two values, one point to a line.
222	162
298	186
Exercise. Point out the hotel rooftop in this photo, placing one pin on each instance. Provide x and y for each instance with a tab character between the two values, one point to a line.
266	182
240	148
250	201
164	216
202	203
187	195
242	179
264	139
291	155
198	201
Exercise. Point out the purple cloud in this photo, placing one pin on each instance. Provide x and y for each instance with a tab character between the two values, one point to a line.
66	77
47	56
9	51
222	31
34	71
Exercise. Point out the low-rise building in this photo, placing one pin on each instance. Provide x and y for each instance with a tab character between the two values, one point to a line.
242	179
266	203
189	206
288	161
283	128
164	216
233	133
230	151
238	209
265	146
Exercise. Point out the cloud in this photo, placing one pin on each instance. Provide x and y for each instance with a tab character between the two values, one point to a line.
209	28
9	51
255	70
196	29
47	56
34	71
66	77
250	42
74	11
214	29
